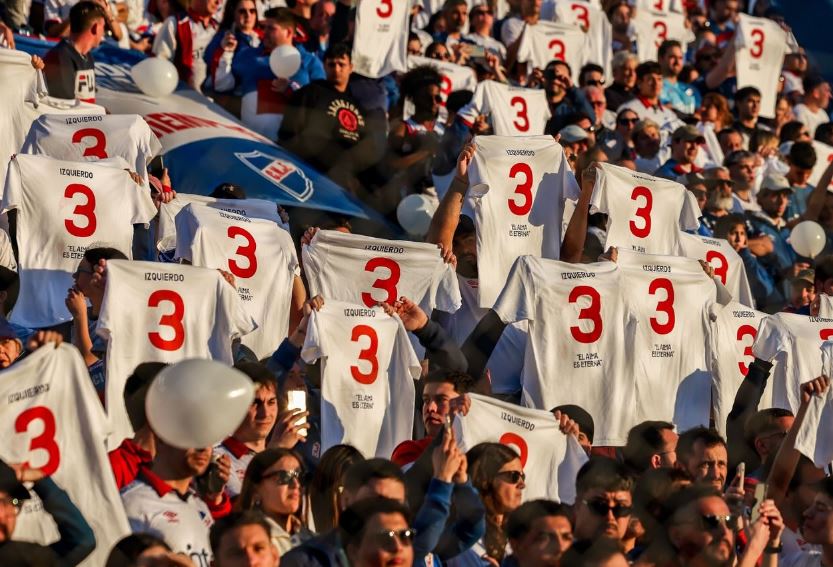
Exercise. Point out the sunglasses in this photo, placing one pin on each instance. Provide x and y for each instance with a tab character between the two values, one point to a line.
247	11
595	83
514	477
603	508
388	539
713	521
283	478
627	121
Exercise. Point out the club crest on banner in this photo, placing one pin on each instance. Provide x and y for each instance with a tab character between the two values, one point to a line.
282	173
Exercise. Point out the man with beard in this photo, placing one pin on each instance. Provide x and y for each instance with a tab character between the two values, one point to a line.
603	500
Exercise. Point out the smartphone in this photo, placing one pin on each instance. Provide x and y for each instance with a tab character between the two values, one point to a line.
741	475
210	482
297	400
475	51
760	496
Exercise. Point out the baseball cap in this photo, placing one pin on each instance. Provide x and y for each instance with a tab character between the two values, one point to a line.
688	133
9	483
572	133
691	179
776	182
805	276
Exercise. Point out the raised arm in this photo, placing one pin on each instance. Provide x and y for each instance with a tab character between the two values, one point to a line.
447	216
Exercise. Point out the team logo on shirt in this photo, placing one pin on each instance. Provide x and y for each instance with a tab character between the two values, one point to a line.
85	85
280	172
349	118
170	516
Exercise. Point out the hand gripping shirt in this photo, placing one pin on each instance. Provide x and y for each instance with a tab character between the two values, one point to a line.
815	438
760	46
514	111
545	41
728	266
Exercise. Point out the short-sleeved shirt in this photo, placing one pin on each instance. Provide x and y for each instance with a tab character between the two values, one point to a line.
69	74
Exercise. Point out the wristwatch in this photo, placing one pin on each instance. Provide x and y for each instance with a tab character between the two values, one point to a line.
774	548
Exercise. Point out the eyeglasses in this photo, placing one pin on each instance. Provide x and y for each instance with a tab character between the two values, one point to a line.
388	539
713	521
595	82
603	508
589	129
247	11
8	502
513	477
624	121
283	478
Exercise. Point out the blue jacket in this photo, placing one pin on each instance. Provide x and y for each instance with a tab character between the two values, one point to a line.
764	291
783	256
251	65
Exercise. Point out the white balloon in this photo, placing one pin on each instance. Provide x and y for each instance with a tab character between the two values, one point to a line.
808	239
155	76
197	403
285	60
414	213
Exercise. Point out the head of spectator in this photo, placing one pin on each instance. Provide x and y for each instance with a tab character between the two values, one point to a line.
774	195
540	531
422	86
243	539
456	16
575	140
464	245
765	429
824	133
626	121
685	144
796	62
557	80
9	289
228	191
278	28
591	75
274	484
436	23
715	110
732	228
699	527
530	10
719	190
600	553
688	74
802	160
132	549
742	168
481	20
646	138
135	393
12	495
816	92
83	275
322	14
802	292
783	113
619	13
650	495
722	11
596	98
440	396
11	347
702	453
241	15
801	491
498	476
87	26
764	143
624	70
263	411
377	532
603	500
338	65
823	275
438	51
649	81
730	140
328	483
748	105
372	477
651	445
586	425
794	131
414	44
670	57
586	123
696	184
707	56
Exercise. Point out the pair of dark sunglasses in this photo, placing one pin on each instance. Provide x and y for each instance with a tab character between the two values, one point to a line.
387	539
283	477
603	508
513	477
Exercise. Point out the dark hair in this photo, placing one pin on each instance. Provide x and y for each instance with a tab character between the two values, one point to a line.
555	63
798	476
826	486
521	519
726	223
419	78
355	518
258	466
763	422
811	81
449	4
461	381
236	520
651	493
484	462
682	498
229	11
644	441
93	255
228	191
746	92
83	15
10	283
790	131
589	68
666	45
337	51
803	155
735	157
576	117
327	483
258	373
582	418
432	48
687	440
361	473
824	133
590	553
282	16
136	390
604	473
824	268
647	68
128	549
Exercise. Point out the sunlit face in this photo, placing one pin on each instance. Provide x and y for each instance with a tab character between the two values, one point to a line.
9	509
246	546
245	15
817	527
650	85
436	398
545	542
700	530
602	514
626	74
10	350
672	61
508	486
378	549
708	464
260	419
279	494
737	237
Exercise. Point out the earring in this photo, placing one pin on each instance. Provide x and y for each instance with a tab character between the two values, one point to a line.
257	502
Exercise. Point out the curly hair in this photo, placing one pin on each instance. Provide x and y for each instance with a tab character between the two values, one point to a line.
417	79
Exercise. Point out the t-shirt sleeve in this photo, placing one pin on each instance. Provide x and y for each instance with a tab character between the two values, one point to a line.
448	291
525	49
164	45
690	213
475	107
769	341
12	190
516	301
571	189
185	235
240	323
597	199
313	348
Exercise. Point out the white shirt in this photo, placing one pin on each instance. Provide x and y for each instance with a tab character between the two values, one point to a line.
598	29
550	459
165	44
581	340
518	189
652	28
259	254
240	456
811	119
815	438
57	10
53	420
545	41
760	46
380	46
64	207
487	42
670	294
92	137
645	213
514	111
663	115
824	155
367	377
164	313
728	265
454	77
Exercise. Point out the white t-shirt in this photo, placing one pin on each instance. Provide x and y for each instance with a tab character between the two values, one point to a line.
380	46
794	341
514	111
670	296
546	41
825	306
550	459
599	30
664	116
581	340
259	254
728	266
824	155
760	46
365	270
367	377
57	10
154	507
240	456
154	312
652	28
63	208
454	77
815	438
165	45
811	119
645	213
518	186
92	137
732	330
53	420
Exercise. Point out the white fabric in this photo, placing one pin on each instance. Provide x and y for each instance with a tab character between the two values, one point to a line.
49	401
455	77
598	28
238	468
670	294
581	340
825	306
259	254
815	437
824	155
64	207
733	329
645	213
811	119
154	312
760	46
513	111
550	459
518	189
664	116
93	137
728	265
367	377
545	41
165	44
380	46
652	28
